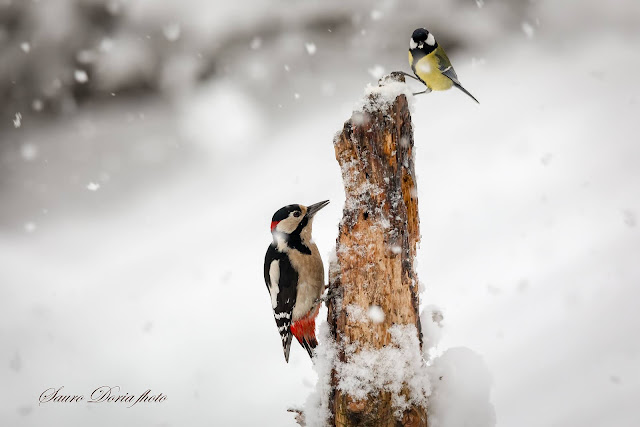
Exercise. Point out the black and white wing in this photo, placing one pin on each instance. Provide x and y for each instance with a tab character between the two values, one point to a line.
282	282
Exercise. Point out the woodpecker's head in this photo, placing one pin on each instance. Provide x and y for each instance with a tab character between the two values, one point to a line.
295	220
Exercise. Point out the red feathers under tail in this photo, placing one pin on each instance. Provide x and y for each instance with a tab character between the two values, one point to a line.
304	330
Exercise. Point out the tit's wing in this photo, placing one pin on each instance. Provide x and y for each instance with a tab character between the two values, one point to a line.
444	64
281	279
447	70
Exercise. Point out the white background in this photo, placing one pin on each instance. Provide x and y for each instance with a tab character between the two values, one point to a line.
529	207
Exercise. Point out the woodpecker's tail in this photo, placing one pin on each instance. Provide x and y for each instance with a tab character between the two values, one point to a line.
309	346
304	330
286	345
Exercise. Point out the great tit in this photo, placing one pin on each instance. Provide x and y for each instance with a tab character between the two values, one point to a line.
430	63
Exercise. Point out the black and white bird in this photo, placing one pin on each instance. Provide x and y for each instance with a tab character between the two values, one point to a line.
294	275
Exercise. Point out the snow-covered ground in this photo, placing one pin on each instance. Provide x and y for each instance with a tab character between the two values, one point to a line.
529	218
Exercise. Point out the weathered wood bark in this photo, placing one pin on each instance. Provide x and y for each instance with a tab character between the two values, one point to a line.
376	246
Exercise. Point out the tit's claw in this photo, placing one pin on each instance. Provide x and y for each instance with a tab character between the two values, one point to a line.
409	75
427	90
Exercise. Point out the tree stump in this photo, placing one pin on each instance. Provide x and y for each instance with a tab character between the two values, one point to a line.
372	281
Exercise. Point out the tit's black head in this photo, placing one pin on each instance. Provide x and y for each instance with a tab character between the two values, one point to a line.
422	40
420	35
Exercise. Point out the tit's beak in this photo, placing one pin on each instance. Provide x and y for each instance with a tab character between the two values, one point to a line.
313	209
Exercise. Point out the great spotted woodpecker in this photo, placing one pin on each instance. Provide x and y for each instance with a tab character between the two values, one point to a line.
294	275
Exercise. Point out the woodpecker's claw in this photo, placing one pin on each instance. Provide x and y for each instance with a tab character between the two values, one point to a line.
328	295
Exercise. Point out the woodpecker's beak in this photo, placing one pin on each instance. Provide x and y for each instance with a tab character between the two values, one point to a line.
313	209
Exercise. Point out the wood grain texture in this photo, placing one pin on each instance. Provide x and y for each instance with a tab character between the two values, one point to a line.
376	247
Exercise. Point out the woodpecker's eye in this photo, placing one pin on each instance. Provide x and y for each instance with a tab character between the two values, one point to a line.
296	214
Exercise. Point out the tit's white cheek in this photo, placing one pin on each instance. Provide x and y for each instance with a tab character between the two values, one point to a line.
431	41
412	43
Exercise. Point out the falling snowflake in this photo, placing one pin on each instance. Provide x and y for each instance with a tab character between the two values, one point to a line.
171	31
630	218
376	314
546	159
30	227
311	48
114	7
256	43
377	71
28	151
478	62
328	88
86	56
527	29
17	122
37	104
376	15
81	76
106	44
26	47
93	186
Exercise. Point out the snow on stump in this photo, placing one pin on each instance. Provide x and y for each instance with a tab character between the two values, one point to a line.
378	375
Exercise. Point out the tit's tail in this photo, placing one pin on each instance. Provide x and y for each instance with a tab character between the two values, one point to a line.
459	86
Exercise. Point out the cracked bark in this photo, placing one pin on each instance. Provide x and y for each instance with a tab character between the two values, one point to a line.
376	247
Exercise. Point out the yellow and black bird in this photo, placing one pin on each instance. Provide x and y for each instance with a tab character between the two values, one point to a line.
430	63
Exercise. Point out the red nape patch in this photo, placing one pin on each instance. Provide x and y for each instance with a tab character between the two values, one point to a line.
304	329
274	224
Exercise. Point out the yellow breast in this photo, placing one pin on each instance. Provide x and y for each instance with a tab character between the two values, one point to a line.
427	69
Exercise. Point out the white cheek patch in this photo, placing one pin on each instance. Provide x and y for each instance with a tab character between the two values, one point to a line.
287	225
412	43
431	41
274	276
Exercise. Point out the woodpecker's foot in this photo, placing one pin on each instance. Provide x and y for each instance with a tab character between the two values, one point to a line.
328	295
299	416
